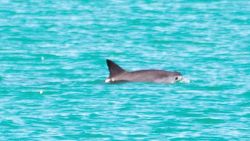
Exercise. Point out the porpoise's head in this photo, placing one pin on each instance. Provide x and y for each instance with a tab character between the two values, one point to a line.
178	77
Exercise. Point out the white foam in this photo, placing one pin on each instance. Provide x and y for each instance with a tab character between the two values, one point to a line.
42	58
107	80
41	92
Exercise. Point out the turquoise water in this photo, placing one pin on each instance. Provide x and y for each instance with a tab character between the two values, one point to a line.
52	70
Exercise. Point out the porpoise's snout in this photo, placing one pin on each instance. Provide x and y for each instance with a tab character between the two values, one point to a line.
184	80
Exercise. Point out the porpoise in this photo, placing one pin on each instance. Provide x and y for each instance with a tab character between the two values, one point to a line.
118	74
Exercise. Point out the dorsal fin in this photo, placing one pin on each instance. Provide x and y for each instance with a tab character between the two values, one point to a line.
114	69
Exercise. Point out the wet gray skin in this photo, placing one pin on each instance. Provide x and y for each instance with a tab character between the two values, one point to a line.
118	74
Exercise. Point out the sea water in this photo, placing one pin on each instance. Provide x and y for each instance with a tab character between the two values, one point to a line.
52	69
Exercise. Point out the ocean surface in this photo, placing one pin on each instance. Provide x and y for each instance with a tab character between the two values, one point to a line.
52	69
